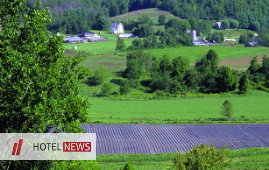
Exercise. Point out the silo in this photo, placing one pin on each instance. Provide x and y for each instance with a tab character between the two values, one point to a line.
193	35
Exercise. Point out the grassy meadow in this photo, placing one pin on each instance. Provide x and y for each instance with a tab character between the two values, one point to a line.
251	158
153	13
101	110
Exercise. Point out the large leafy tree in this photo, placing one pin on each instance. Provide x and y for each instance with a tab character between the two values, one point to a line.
38	83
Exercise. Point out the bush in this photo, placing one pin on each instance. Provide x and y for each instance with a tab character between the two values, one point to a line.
78	164
125	87
202	157
128	166
106	89
99	75
227	109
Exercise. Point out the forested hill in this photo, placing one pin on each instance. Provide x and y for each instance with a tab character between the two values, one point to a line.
251	10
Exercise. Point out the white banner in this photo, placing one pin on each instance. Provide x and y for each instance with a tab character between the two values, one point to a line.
47	146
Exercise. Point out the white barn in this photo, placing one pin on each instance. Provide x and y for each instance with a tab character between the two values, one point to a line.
117	28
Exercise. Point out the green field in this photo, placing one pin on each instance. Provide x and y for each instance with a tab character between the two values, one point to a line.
224	52
153	13
159	111
234	33
251	158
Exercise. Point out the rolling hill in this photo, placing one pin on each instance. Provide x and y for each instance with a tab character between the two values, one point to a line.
153	13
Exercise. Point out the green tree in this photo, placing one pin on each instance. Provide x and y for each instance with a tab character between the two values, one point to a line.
120	44
38	83
265	64
255	26
162	19
166	64
254	65
125	87
106	89
225	24
99	75
234	24
228	80
227	109
202	157
180	66
218	37
242	18
114	10
243	84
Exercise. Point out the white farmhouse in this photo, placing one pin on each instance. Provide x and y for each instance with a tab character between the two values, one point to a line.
116	28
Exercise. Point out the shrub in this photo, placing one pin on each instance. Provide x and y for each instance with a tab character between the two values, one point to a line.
202	157
227	109
106	89
128	166
125	87
99	75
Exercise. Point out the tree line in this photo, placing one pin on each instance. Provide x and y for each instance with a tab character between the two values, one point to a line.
251	15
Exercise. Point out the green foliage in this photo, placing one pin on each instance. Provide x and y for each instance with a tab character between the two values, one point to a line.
137	63
162	19
227	109
186	40
255	26
254	66
180	66
99	75
243	84
161	81
120	44
218	37
265	64
114	10
234	24
78	164
125	87
166	64
225	24
242	18
106	89
39	84
128	166
202	157
227	80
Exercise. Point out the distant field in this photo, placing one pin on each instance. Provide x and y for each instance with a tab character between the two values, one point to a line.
106	111
251	158
234	33
224	52
153	13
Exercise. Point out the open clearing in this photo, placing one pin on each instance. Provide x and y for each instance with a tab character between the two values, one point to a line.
159	111
153	13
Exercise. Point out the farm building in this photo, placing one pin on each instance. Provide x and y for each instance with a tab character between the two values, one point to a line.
92	39
125	35
229	40
193	35
116	28
74	40
251	44
88	34
217	25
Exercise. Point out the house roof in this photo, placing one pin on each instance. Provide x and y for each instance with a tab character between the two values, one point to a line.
252	43
115	24
75	39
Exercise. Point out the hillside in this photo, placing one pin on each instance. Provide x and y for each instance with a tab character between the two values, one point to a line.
153	13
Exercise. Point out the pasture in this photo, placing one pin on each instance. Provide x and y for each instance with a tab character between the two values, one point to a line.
234	33
161	111
153	13
251	158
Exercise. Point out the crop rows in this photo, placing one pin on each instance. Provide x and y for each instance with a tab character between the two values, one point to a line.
150	139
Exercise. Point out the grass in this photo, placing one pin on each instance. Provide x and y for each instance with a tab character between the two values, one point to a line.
234	33
241	159
195	52
161	111
153	13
